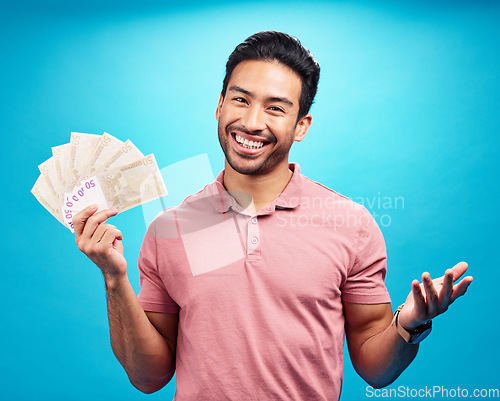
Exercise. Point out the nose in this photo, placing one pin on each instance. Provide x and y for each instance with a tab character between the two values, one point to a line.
254	119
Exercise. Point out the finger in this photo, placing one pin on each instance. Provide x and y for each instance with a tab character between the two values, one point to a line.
431	295
418	298
95	220
461	288
459	269
444	298
111	235
99	232
81	218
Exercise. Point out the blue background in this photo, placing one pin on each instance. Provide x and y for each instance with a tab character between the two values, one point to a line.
407	108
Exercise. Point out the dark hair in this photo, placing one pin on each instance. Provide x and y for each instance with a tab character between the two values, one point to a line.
287	50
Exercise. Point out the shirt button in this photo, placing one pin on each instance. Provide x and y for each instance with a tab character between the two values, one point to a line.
255	240
254	220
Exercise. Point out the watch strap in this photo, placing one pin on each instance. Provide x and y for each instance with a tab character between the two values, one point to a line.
414	336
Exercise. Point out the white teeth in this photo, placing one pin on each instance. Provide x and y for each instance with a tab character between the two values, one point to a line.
249	144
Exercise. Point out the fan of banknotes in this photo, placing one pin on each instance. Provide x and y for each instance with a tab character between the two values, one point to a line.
96	169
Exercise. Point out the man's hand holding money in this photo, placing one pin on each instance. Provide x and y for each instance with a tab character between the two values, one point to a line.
100	241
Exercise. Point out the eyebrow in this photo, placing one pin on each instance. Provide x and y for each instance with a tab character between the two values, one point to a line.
236	88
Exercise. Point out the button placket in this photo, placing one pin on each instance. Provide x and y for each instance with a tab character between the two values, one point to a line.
253	239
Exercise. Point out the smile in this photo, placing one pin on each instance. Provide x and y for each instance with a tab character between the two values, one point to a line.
248	144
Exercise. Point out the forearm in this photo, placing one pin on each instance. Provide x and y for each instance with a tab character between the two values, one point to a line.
384	356
141	350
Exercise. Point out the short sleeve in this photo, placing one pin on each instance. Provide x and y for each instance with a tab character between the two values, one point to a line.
153	295
365	283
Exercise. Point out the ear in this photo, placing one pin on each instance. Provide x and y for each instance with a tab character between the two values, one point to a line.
219	107
302	126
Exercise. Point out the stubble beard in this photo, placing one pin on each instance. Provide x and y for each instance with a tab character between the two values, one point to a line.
245	165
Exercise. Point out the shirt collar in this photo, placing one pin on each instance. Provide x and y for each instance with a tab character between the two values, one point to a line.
290	197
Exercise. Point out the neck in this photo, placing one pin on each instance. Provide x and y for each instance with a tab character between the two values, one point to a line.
263	188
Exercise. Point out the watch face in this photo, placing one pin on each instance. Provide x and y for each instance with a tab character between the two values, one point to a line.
416	338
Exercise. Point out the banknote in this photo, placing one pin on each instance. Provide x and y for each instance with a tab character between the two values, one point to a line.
52	184
40	192
121	188
126	154
133	184
106	148
61	155
82	146
97	169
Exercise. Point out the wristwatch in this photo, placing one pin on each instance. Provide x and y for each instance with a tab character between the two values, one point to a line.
414	336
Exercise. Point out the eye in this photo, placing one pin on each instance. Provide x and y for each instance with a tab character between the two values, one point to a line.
240	99
276	109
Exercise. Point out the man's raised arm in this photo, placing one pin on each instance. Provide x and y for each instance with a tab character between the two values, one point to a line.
144	343
377	349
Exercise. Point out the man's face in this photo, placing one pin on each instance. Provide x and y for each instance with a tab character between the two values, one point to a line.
258	116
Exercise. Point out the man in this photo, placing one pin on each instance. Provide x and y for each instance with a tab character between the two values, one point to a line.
247	286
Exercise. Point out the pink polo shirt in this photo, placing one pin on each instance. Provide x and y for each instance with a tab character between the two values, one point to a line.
259	297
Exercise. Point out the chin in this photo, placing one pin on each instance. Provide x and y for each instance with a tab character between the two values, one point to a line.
248	167
243	168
